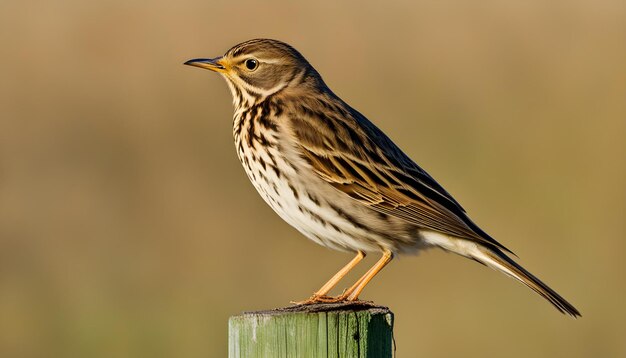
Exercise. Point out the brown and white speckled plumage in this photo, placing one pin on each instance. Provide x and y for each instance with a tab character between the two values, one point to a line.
333	175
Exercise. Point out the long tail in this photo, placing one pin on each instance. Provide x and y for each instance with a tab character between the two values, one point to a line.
499	261
496	259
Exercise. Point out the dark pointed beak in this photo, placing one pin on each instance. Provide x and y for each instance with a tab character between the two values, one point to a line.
212	64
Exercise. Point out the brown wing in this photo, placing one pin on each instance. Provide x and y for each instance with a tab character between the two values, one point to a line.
358	159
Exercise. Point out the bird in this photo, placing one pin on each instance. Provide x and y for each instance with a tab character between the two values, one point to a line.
329	172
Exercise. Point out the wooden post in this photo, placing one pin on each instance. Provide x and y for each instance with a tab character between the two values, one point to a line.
353	329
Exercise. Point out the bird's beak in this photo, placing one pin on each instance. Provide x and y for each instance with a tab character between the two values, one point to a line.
212	64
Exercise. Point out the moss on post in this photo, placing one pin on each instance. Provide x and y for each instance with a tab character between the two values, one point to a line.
322	330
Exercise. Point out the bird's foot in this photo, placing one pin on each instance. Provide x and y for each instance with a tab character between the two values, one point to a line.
322	299
314	299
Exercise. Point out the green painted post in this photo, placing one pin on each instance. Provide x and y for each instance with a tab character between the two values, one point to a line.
346	330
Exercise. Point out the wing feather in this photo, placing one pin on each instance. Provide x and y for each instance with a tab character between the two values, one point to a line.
376	173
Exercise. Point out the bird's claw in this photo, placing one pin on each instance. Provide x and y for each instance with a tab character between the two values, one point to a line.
322	299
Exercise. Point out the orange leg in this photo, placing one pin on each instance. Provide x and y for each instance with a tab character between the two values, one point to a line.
320	295
352	293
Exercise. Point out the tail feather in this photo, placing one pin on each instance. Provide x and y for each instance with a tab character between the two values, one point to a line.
499	261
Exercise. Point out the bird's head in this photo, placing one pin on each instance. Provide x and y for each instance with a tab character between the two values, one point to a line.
258	68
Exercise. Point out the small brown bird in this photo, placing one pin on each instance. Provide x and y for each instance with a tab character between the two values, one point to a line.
338	179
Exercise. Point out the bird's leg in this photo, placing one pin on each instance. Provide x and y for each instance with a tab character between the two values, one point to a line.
352	293
360	255
320	295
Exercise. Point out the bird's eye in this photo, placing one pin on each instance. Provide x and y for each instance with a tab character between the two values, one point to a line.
252	64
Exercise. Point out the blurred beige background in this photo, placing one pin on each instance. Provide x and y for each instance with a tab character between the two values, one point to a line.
128	227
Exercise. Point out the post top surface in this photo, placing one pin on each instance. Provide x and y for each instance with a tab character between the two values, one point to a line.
324	307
